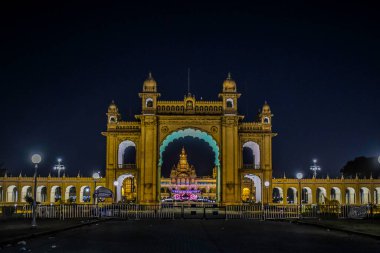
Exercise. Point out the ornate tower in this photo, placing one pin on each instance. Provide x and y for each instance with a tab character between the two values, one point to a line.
265	116
229	96
148	190
113	115
229	176
149	96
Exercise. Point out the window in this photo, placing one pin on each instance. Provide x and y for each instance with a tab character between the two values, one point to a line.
229	103
112	119
149	102
266	120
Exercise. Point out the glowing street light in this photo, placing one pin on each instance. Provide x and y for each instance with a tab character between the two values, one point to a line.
266	184
314	168
36	159
116	184
299	177
59	166
95	176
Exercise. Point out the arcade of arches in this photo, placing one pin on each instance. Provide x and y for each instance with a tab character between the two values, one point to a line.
242	159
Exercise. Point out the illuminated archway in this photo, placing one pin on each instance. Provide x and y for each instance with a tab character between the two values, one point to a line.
26	191
122	147
198	134
120	181
255	149
257	182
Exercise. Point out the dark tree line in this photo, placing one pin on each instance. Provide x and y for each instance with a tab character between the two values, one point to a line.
363	167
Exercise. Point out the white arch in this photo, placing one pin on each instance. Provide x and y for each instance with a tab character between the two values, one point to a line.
24	191
321	195
365	197
377	196
309	194
120	181
257	182
350	195
255	151
147	101
295	195
281	192
338	194
67	192
81	192
39	194
122	147
52	193
11	197
231	101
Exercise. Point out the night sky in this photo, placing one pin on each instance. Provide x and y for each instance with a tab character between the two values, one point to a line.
317	65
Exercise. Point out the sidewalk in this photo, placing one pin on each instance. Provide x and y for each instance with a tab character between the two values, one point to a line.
14	230
366	227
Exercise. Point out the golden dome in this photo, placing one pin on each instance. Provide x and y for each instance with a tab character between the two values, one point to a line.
266	108
229	84
150	84
112	107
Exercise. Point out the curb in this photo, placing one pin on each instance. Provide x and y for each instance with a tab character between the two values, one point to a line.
337	229
38	234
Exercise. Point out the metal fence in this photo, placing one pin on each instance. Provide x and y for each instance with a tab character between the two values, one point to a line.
191	211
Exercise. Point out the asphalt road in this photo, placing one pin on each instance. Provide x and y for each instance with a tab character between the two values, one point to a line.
198	236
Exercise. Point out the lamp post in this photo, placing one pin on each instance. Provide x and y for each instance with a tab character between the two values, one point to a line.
95	176
59	167
266	183
36	159
115	183
299	177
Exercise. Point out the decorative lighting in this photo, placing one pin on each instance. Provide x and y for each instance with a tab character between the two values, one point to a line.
36	159
96	175
115	183
59	166
299	175
315	168
266	183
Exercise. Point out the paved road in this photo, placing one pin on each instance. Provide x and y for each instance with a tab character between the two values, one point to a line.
199	236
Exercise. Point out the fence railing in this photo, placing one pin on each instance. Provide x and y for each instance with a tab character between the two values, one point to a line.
191	211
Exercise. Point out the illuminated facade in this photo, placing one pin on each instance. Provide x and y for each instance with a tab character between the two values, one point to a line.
242	155
183	183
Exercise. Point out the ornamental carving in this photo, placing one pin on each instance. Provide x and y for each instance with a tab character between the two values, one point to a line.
214	129
164	129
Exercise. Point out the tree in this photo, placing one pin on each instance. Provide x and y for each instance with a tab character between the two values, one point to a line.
363	167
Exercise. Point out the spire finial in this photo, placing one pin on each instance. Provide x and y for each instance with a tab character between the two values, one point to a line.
150	75
229	76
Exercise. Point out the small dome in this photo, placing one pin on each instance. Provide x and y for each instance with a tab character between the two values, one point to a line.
112	107
229	84
150	84
266	108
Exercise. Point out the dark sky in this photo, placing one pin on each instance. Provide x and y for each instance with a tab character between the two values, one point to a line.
317	65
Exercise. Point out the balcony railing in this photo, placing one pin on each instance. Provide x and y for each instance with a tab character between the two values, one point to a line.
251	166
127	166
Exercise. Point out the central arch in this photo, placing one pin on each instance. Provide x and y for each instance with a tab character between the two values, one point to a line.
198	134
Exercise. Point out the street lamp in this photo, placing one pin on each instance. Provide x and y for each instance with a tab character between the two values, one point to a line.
115	183
266	184
95	176
59	166
299	177
36	159
314	168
